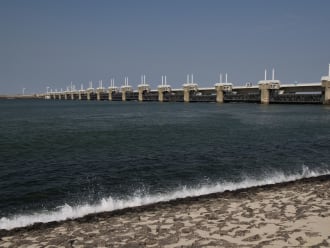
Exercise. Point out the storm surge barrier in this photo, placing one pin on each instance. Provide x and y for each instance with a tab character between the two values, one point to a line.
316	93
266	91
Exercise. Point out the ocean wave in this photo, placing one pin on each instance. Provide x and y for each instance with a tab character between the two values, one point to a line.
109	204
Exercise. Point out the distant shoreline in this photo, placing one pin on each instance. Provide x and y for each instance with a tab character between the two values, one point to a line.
34	96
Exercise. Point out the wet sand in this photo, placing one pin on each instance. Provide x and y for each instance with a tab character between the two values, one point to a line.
294	214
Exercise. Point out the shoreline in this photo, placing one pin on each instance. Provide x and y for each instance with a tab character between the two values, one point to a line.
17	97
229	218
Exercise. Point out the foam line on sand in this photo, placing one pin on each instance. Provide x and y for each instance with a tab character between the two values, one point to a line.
287	214
138	199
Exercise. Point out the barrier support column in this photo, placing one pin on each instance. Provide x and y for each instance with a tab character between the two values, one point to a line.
187	88
326	85
220	95
88	93
98	95
124	89
123	95
142	88
265	95
186	94
160	95
110	94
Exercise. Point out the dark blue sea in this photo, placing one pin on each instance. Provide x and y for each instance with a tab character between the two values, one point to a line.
66	159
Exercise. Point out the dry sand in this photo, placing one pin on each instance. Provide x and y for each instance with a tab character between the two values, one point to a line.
295	214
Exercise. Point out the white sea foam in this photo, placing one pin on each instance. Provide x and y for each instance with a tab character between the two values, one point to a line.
110	203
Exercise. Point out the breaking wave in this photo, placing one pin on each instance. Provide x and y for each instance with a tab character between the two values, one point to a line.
109	204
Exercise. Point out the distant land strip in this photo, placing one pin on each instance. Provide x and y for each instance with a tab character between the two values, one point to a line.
34	96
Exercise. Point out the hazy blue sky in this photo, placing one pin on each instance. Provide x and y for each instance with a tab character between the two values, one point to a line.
50	43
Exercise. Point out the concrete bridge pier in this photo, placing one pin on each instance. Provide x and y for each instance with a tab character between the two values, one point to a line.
110	94
98	95
142	88
123	95
326	85
99	91
161	95
265	93
265	86
65	96
186	94
188	87
220	89
112	88
79	95
124	89
162	89
220	94
88	93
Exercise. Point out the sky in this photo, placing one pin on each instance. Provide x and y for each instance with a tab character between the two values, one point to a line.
45	43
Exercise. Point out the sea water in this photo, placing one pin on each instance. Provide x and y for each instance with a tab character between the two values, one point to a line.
66	159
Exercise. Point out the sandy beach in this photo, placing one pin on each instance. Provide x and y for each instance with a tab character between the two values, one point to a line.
294	214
